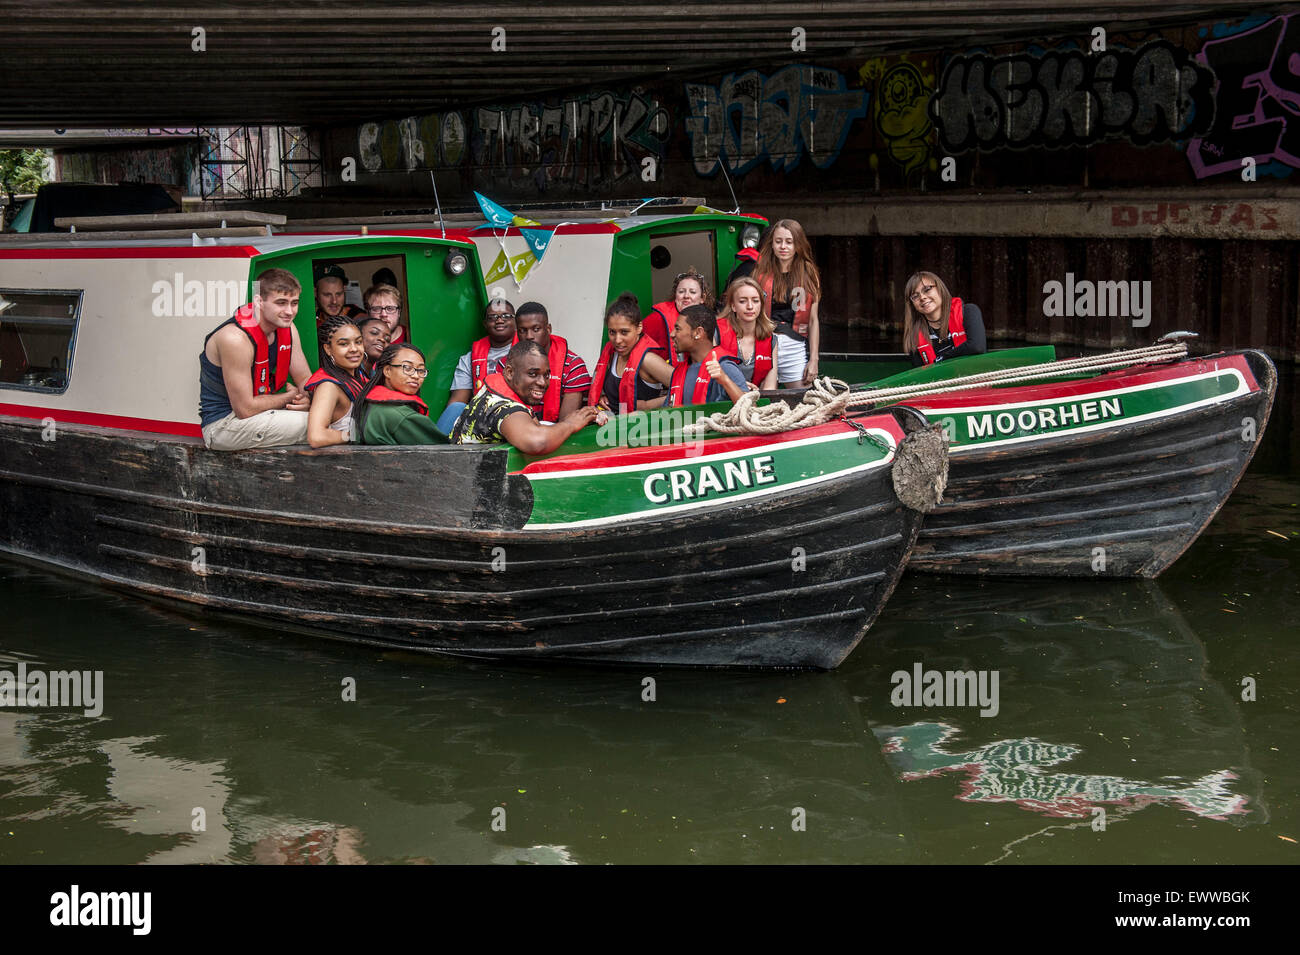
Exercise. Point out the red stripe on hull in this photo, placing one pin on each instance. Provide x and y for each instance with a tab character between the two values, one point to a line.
148	425
1111	381
623	457
151	252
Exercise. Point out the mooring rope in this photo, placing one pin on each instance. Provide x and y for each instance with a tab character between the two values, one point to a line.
829	398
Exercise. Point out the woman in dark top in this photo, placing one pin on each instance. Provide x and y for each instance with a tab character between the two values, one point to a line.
628	373
936	325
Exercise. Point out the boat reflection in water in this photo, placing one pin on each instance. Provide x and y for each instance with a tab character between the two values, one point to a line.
1106	707
582	765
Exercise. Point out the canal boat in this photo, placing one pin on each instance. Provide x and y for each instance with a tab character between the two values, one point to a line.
774	551
1087	473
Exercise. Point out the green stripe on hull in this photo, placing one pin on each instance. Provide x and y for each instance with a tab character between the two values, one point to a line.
590	497
990	425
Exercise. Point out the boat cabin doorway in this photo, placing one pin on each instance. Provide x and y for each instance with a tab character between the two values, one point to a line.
671	255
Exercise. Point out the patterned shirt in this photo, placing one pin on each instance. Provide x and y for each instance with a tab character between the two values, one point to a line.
480	422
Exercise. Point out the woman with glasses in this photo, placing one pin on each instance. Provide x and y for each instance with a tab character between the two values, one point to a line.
335	384
385	301
787	274
390	410
937	325
689	288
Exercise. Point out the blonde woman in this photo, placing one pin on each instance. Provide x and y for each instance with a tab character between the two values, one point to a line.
746	330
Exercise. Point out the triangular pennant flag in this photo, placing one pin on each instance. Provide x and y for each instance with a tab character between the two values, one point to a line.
521	221
522	264
499	270
497	215
537	239
700	210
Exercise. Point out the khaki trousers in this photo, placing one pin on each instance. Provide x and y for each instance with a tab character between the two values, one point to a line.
270	429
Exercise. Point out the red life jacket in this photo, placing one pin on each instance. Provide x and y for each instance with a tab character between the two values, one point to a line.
351	385
549	409
700	392
659	325
270	366
956	332
627	383
381	394
478	362
497	384
801	317
729	341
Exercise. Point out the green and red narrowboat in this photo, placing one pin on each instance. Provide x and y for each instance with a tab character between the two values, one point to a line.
1094	475
756	551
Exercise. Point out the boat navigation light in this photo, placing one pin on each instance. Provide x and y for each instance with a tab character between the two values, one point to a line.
456	263
749	236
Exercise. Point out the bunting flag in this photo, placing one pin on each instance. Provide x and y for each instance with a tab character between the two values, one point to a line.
521	221
701	210
537	239
496	215
515	266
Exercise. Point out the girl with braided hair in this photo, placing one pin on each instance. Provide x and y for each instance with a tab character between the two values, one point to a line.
335	385
390	409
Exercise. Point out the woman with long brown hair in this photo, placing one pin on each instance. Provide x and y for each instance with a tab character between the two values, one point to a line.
786	272
746	329
936	324
629	373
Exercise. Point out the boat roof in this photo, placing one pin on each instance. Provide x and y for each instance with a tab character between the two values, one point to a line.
259	243
273	237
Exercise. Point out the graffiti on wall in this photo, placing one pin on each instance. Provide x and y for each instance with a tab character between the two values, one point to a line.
416	142
594	140
1155	93
174	166
1259	91
900	110
748	118
583	141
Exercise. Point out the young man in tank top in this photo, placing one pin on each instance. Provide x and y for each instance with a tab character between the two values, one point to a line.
244	365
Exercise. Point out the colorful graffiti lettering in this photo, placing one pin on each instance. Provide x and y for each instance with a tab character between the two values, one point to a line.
1070	98
748	118
416	142
900	111
1259	90
584	141
1011	770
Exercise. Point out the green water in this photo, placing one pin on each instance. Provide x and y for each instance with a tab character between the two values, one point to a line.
1120	696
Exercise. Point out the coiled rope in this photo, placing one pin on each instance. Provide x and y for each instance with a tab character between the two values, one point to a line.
829	398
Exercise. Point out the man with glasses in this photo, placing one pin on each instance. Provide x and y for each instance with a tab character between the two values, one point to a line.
385	301
484	358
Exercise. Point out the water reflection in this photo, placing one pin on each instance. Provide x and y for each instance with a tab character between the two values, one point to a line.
223	743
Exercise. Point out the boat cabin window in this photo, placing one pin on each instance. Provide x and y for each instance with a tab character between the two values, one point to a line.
670	255
37	332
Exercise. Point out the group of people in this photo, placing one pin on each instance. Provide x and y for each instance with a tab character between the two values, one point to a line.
520	382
